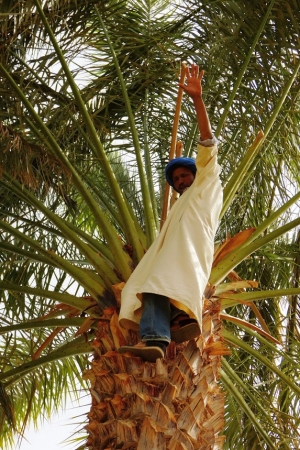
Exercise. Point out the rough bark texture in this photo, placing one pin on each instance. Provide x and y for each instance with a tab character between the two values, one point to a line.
173	404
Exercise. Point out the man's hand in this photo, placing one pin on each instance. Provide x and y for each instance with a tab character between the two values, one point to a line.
193	87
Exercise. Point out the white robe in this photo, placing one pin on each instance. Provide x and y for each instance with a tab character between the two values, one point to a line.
178	263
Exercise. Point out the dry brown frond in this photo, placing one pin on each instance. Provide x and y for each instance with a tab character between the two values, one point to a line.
32	165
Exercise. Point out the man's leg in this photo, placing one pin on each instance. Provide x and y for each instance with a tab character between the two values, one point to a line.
183	328
175	312
155	320
154	328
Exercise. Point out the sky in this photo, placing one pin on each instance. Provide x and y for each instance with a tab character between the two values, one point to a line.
53	435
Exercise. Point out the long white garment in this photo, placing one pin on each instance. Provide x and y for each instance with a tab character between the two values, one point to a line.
178	263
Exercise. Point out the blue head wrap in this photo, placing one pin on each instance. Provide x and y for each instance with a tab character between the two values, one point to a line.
189	163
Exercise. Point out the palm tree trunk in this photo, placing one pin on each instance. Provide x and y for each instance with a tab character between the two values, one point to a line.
175	403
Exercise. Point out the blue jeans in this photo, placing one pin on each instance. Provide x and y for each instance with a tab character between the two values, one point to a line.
156	317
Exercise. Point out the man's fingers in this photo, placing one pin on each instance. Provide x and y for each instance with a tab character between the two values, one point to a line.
195	70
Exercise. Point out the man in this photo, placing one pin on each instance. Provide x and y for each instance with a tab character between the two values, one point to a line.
163	297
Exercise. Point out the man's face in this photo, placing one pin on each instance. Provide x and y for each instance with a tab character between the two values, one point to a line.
182	178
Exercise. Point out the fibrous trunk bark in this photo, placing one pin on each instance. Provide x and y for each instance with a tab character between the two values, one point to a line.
173	404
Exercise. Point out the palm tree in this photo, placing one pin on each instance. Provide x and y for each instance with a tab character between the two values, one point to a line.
87	108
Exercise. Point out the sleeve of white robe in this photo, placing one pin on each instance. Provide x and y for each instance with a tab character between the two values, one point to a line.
178	263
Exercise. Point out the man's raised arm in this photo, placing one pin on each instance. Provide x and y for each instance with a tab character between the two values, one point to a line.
194	89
